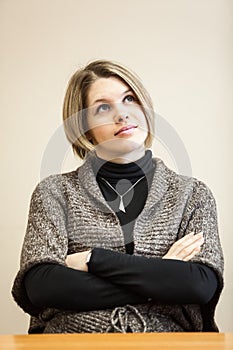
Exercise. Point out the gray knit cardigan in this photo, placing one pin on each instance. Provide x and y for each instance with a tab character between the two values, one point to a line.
68	214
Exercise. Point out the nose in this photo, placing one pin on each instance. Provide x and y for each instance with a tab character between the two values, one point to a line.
121	118
121	114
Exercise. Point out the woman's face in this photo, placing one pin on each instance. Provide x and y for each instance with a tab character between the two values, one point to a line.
116	122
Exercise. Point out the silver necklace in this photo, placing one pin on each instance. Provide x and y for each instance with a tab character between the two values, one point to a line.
121	205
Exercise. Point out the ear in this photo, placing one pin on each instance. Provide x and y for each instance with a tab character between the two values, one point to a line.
89	137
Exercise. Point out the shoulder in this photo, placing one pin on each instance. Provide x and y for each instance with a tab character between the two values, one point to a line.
56	185
197	189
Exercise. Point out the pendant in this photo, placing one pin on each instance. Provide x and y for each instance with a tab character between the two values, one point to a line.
121	206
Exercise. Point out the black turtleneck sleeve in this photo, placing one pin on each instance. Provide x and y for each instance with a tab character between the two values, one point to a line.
60	287
116	279
161	280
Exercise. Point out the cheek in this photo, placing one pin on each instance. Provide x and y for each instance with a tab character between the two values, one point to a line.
93	130
143	122
100	133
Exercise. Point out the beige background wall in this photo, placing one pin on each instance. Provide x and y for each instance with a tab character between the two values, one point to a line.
182	49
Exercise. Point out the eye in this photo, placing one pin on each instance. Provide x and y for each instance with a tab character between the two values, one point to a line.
129	98
105	107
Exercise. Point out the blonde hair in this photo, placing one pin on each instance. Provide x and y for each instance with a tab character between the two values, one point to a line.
75	101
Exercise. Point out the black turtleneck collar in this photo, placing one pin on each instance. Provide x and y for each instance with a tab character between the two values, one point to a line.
113	172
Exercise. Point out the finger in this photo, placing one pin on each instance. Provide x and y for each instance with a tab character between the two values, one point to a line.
187	250
186	237
184	246
178	245
192	249
188	241
199	240
191	237
190	256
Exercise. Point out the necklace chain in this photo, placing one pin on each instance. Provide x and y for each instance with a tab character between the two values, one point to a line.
121	205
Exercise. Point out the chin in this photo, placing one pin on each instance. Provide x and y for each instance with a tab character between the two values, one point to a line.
120	149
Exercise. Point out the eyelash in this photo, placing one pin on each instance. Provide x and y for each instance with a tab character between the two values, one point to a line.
98	110
131	96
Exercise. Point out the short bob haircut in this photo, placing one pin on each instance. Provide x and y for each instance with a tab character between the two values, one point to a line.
75	102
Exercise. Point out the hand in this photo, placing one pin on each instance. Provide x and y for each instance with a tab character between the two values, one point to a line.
77	261
186	247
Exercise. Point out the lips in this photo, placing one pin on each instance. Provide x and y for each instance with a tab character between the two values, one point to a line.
125	128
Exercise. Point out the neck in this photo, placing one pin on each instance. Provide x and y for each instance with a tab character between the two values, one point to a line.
125	158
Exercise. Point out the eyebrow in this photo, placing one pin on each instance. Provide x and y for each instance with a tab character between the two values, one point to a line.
106	99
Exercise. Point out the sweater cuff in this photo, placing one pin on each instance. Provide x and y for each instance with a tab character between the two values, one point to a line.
99	256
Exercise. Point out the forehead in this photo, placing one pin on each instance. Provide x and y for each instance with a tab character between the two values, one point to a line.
106	88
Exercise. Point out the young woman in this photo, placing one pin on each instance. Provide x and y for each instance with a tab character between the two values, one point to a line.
122	244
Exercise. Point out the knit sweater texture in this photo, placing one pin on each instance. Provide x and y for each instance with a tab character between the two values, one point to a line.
69	214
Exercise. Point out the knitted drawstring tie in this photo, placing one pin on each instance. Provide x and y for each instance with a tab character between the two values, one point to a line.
119	319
